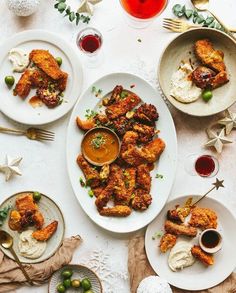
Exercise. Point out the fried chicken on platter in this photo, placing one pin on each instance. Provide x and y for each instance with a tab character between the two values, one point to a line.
203	218
182	229
45	233
115	96
122	125
141	200
145	132
144	177
147	114
116	211
167	242
202	256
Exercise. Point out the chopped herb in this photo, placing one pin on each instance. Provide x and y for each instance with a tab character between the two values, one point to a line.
132	86
90	114
139	40
95	91
98	141
159	176
157	235
90	193
124	94
3	214
82	183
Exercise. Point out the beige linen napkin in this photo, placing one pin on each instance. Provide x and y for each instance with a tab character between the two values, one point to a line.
139	268
11	276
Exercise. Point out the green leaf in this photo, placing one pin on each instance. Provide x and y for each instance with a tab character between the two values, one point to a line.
195	19
218	26
176	9
77	15
212	25
188	13
61	1
61	7
200	19
195	13
72	16
56	5
209	20
68	10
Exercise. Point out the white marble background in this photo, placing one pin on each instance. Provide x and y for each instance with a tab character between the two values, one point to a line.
44	166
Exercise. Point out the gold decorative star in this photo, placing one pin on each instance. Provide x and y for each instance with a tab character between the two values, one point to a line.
87	6
217	140
11	167
218	183
229	121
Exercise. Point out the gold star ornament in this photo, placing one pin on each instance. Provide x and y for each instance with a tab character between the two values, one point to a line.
11	168
87	6
217	139
218	183
229	121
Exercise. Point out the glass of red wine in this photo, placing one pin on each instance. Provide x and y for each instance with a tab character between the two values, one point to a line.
202	165
89	41
142	12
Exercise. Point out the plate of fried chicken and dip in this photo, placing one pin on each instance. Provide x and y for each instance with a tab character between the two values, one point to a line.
121	152
196	72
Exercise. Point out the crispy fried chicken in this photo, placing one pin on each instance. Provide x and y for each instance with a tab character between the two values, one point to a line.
116	211
176	229
45	233
167	242
202	256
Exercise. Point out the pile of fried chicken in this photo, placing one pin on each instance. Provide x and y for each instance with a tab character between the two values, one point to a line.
127	181
202	218
45	75
212	71
27	214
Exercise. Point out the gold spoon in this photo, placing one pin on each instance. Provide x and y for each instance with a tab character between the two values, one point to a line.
6	241
202	5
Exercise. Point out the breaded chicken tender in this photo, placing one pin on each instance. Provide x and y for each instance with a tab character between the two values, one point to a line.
203	218
167	242
144	177
141	200
146	113
45	233
23	86
25	203
202	256
38	219
14	221
115	96
145	132
176	229
116	211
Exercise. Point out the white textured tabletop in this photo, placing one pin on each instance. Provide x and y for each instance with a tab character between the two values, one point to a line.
44	165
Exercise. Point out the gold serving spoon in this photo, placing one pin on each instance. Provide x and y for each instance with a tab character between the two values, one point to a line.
202	5
6	241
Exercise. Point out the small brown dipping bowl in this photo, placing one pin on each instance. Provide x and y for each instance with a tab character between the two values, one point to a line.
210	240
100	146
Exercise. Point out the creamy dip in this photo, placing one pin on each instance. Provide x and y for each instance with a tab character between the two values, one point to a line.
154	284
182	88
19	59
180	256
30	247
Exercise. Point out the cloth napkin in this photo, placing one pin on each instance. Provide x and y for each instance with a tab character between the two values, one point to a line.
11	276
139	268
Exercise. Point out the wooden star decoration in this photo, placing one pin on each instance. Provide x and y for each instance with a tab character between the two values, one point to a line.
229	121
218	183
217	139
11	168
87	6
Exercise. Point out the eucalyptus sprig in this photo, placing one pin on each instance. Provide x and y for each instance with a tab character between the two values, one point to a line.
192	14
62	7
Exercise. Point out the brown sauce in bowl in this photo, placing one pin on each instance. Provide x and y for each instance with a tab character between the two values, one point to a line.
210	239
100	146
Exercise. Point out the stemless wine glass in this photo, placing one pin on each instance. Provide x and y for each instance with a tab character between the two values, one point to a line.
89	41
142	12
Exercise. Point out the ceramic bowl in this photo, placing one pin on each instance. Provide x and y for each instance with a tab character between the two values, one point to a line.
216	247
181	48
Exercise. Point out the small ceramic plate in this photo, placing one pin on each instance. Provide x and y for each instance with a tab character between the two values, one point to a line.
79	272
20	109
51	212
197	276
181	48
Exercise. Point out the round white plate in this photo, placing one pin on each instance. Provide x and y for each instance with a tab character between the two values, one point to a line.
198	276
166	166
51	212
20	110
79	272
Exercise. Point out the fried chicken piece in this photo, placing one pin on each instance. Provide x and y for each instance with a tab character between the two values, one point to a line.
202	76
101	119
47	63
152	151
23	86
120	191
85	124
27	219
220	79
146	113
62	82
144	177
14	221
203	218
91	175
141	200
175	216
167	242
130	182
122	125
116	211
50	98
115	96
45	233
104	172
176	229
38	219
25	203
39	79
123	106
97	190
205	258
145	132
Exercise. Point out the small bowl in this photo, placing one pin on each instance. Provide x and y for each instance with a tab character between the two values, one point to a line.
179	49
211	233
97	129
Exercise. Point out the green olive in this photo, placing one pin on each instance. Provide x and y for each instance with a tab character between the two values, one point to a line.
37	196
89	291
9	80
207	95
75	283
86	284
59	60
66	274
61	288
67	283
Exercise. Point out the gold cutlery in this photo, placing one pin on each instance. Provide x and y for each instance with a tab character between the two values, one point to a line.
31	133
6	241
180	26
202	5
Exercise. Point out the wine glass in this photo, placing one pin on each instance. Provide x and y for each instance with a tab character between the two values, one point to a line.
142	12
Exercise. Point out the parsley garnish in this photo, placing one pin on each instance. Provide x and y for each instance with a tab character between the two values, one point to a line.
96	92
157	235
90	114
3	214
159	176
98	141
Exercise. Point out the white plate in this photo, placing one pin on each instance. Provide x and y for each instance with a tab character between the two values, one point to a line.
167	164
198	276
20	110
79	272
51	212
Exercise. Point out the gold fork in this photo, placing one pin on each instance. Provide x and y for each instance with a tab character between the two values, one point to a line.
180	26
30	133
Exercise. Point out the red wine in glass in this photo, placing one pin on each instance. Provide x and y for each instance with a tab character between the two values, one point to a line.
90	43
205	165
